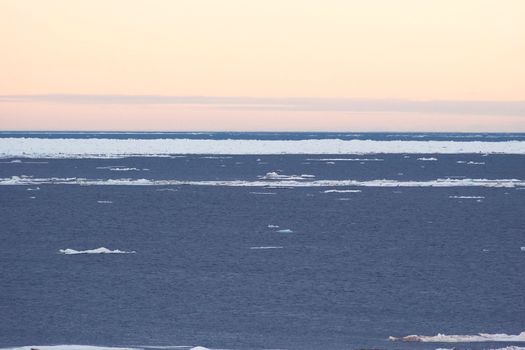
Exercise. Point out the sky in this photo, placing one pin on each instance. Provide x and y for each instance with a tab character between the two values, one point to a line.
331	65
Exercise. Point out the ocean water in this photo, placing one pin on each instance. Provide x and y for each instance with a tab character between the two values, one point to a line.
269	135
282	251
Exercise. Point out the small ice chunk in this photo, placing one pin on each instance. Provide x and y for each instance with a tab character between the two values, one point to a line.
342	191
101	250
266	247
273	175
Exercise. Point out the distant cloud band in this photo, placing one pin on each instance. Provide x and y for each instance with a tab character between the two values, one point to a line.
503	108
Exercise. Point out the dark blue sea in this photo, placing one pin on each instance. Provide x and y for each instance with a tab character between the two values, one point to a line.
241	267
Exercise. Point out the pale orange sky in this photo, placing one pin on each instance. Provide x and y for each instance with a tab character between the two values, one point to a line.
468	50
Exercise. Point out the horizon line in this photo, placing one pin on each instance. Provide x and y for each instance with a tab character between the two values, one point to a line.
288	104
253	131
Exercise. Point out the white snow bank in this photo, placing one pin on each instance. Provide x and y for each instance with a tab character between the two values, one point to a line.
481	337
118	148
101	250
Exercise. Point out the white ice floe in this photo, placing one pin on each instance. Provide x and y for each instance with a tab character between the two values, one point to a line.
273	175
342	191
267	247
33	189
118	168
443	338
101	250
467	197
119	148
125	169
263	193
470	162
304	182
105	202
431	159
522	249
286	230
346	159
273	226
18	161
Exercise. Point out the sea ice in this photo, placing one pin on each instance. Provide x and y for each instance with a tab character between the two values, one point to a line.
273	175
267	247
269	183
443	338
101	250
342	191
286	230
120	148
